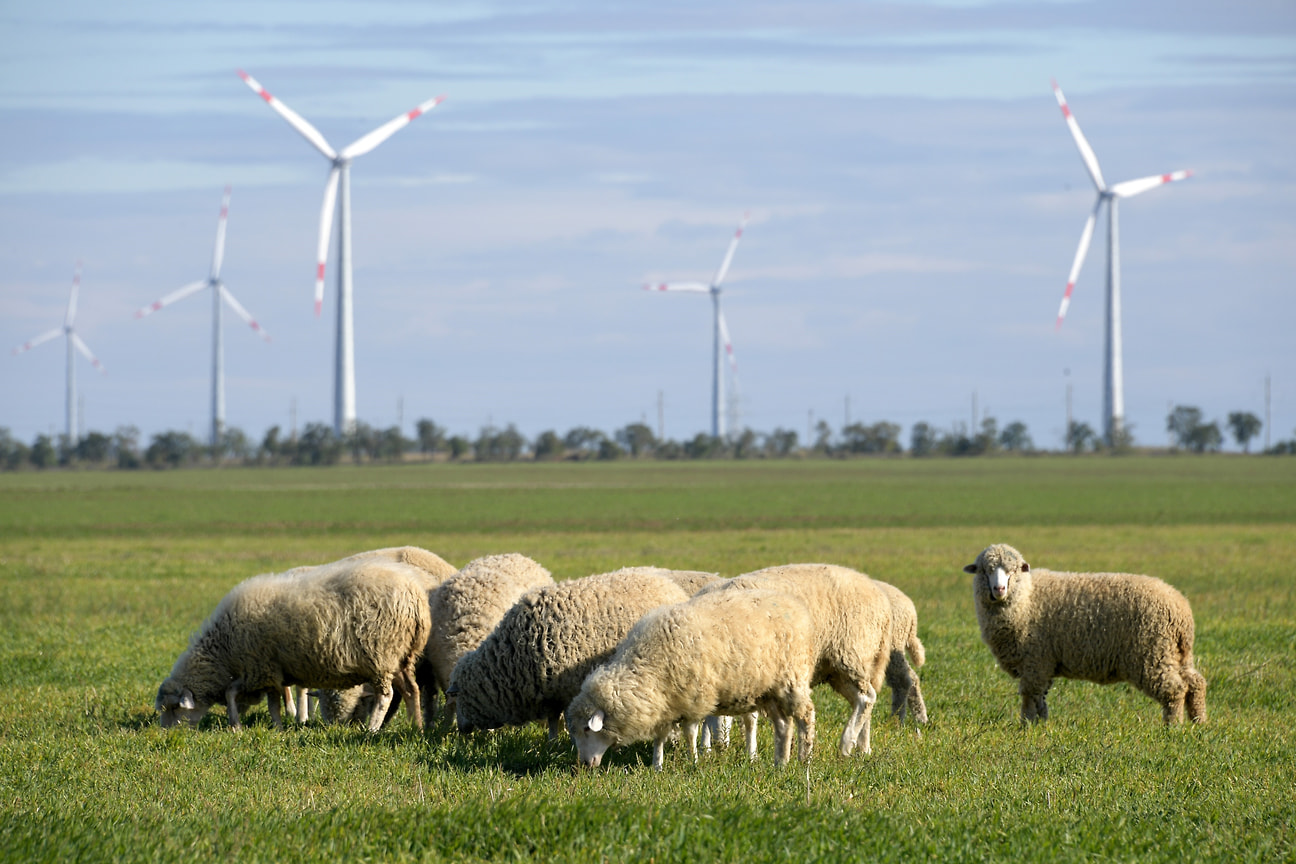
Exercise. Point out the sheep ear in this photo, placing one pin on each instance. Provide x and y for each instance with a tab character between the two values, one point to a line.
971	568
1025	568
187	700
596	721
452	691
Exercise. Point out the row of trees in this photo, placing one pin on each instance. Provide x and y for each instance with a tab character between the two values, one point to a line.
319	445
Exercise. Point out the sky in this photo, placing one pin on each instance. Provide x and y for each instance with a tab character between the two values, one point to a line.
915	200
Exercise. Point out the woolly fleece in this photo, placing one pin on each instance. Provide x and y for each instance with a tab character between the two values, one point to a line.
726	652
533	663
1100	627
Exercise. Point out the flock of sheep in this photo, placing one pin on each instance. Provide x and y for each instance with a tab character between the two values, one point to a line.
645	653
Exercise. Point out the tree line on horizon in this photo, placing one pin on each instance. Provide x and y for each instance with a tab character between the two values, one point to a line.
318	444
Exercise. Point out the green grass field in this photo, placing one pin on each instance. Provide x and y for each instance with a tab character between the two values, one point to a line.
106	574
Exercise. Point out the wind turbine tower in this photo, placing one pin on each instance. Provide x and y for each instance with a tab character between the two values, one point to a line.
1113	367
74	344
721	345
337	205
219	293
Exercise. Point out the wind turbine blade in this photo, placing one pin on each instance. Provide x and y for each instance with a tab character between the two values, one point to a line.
219	254
693	287
39	340
295	120
1085	236
1130	188
729	253
243	313
85	349
728	345
364	144
1086	152
72	298
178	294
326	227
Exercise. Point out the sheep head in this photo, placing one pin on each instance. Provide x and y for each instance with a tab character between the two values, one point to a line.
587	726
176	704
995	569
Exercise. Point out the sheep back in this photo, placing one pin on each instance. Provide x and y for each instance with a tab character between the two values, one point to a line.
467	606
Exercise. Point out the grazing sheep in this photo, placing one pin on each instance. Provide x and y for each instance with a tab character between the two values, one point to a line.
339	628
906	691
355	704
533	663
466	608
1100	627
852	622
724	652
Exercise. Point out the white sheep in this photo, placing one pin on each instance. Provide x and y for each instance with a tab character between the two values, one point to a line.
467	606
362	624
906	690
1100	627
724	652
852	623
533	662
355	704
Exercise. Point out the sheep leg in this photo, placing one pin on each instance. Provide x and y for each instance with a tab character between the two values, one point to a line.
1034	707
864	740
1196	698
691	733
659	753
273	695
749	730
857	725
231	704
303	705
710	728
382	699
917	707
290	705
409	690
555	726
782	736
804	715
899	677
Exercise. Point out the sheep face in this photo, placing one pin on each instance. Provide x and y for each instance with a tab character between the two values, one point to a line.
176	704
996	568
591	737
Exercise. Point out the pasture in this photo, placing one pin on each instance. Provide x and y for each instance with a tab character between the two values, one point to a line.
106	574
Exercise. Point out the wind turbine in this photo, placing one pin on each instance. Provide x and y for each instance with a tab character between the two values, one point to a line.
338	191
722	345
219	293
1113	371
74	342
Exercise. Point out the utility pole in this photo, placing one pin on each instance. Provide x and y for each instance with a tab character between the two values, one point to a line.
661	417
1266	412
847	410
972	431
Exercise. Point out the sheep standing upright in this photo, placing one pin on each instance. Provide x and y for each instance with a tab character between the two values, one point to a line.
722	652
333	628
532	664
852	624
467	606
1100	627
906	690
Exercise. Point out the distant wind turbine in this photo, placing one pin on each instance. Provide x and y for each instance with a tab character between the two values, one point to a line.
1113	370
722	345
219	293
73	342
344	412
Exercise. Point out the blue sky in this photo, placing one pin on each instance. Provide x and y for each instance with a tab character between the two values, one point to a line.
915	196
